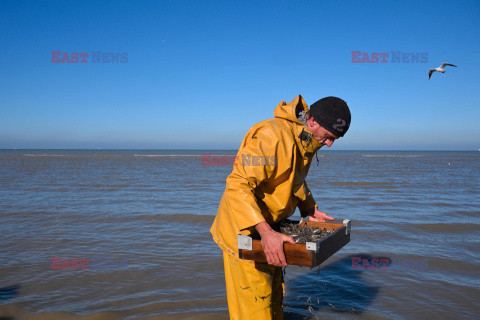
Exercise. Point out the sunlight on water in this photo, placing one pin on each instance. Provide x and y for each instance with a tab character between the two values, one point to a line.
121	234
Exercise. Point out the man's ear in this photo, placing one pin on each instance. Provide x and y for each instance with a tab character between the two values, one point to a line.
310	121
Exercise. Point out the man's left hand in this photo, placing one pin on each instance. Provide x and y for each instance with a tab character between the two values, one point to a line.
319	216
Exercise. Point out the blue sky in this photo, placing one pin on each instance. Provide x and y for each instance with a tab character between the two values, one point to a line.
201	73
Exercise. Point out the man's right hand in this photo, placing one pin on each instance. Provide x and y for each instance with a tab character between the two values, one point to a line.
272	243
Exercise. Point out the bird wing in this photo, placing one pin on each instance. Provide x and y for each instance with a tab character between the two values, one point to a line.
430	72
447	64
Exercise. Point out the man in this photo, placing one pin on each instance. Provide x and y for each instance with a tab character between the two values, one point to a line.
266	185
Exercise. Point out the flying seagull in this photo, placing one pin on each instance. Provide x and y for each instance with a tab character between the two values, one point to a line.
439	69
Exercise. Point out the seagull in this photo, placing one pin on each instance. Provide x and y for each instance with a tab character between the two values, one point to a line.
439	69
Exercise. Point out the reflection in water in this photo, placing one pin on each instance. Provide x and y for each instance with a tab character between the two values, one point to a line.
336	287
7	293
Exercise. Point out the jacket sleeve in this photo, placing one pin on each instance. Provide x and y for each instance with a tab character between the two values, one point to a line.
305	199
256	163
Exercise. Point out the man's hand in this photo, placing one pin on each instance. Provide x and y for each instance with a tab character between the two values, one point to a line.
319	216
272	243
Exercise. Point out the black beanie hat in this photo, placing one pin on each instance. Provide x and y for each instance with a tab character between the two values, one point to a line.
333	114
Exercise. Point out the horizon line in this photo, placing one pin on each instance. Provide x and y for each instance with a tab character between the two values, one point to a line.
190	149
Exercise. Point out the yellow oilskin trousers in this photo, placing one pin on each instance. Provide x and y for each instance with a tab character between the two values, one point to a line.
254	290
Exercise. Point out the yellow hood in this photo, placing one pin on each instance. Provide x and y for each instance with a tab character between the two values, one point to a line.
290	110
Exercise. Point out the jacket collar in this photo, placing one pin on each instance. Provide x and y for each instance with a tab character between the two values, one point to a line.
303	137
305	140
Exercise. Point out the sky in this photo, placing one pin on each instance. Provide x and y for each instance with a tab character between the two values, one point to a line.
199	74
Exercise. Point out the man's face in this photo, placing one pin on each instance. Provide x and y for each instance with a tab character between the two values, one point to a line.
321	134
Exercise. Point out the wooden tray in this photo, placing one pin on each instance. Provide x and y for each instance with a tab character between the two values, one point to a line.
311	254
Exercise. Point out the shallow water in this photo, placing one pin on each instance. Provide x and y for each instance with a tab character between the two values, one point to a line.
142	219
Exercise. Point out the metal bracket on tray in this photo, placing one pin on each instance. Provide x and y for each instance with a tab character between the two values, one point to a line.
313	246
348	224
244	242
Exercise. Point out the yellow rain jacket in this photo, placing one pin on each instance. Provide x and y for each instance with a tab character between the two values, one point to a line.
268	178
